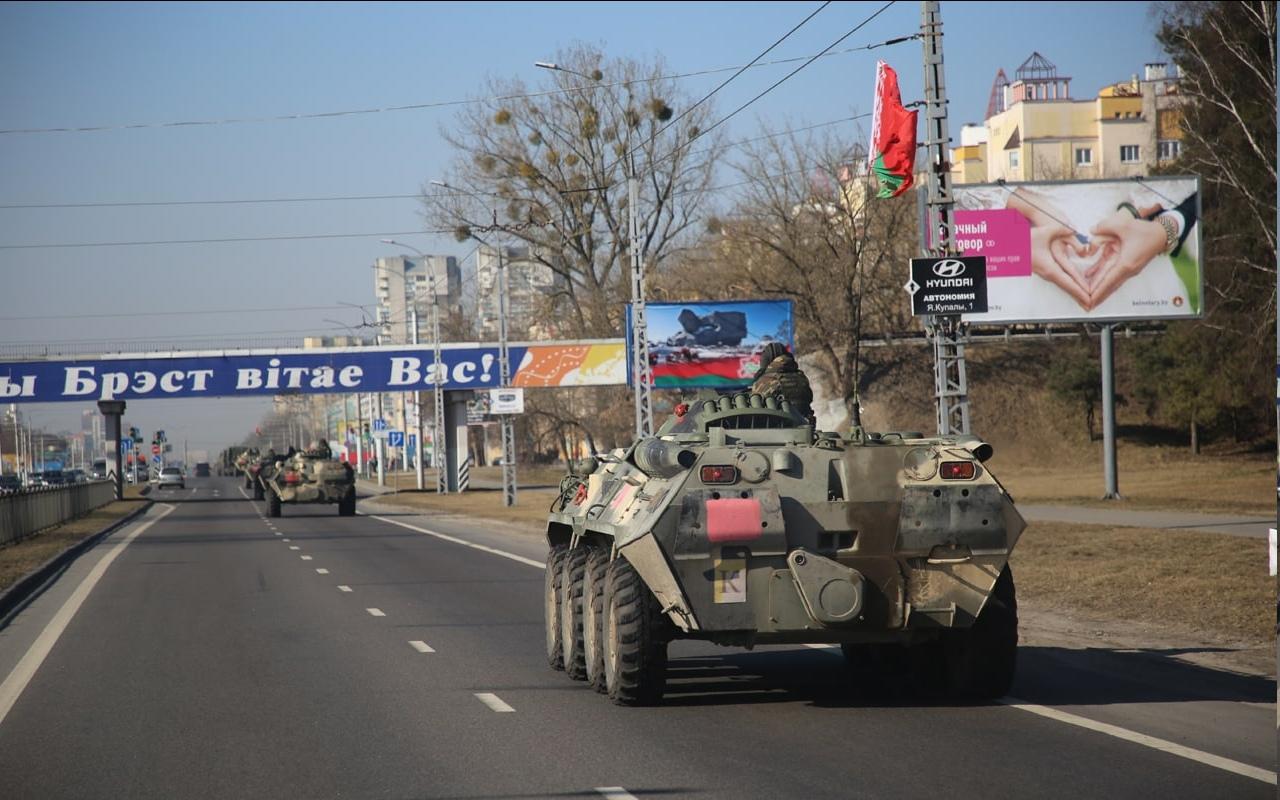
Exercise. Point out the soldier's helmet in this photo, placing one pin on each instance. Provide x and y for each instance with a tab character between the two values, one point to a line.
771	351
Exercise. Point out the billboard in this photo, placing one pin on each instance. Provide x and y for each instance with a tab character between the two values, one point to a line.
1085	251
711	344
333	370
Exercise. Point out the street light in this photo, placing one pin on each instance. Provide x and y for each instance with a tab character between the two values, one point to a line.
640	368
504	359
442	486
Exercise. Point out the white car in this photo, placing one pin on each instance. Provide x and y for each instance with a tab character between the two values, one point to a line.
171	477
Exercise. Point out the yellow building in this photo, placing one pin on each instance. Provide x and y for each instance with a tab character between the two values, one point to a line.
1035	130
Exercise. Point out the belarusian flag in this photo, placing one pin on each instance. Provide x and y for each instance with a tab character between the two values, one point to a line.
893	136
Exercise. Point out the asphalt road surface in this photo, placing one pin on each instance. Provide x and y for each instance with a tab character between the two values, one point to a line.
209	651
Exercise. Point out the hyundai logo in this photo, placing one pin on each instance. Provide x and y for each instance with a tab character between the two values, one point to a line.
948	268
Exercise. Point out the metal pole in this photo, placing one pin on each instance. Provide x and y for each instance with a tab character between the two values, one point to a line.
504	367
379	450
417	407
437	385
951	385
639	327
1112	490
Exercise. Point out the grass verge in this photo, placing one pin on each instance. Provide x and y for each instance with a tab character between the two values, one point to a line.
531	504
17	560
1213	584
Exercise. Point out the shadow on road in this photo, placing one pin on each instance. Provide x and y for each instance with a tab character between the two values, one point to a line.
1046	675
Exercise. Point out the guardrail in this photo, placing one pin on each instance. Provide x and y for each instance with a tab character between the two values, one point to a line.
23	513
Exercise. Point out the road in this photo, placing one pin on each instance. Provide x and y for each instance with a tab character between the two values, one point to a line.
221	653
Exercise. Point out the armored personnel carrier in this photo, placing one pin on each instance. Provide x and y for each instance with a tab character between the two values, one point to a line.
309	477
740	525
252	463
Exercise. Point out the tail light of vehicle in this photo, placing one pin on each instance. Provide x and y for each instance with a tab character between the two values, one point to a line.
957	470
719	473
292	477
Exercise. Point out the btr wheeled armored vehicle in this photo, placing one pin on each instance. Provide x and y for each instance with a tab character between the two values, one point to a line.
309	477
738	524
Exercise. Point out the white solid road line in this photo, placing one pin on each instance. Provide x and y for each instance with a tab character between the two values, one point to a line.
494	702
22	674
422	647
342	588
375	612
615	793
321	571
464	542
1257	773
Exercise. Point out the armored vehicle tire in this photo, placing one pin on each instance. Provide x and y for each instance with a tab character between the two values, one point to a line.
273	505
551	605
592	614
248	483
634	637
981	661
347	506
572	568
257	491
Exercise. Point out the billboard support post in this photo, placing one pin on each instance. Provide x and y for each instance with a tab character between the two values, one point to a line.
951	386
504	367
1112	491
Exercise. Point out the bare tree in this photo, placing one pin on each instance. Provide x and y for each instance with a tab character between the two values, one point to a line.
548	169
807	227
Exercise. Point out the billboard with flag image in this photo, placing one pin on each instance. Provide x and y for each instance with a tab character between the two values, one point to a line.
706	344
1085	251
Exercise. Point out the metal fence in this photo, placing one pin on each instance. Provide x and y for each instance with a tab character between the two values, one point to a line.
26	512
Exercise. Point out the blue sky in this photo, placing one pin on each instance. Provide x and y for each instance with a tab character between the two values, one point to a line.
119	64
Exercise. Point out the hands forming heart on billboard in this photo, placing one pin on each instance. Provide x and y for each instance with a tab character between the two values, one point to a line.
1089	269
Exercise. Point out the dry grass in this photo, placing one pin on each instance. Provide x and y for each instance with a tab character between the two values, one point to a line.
526	475
1150	478
1213	584
531	504
18	559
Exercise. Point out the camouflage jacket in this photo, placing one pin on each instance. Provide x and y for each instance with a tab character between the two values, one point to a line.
782	377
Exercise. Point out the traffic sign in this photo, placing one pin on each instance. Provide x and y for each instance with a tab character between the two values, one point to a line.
413	441
379	424
155	459
126	443
395	438
948	285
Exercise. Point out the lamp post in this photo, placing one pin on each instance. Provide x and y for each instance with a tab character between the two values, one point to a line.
640	367
442	485
504	359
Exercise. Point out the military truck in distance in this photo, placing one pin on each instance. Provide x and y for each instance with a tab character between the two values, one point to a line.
309	477
738	524
251	463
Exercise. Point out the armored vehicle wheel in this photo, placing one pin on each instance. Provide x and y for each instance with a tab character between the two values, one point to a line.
592	614
248	484
273	505
635	638
257	491
572	569
551	605
981	661
347	506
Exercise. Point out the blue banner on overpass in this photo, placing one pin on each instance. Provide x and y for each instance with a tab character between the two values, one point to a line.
311	371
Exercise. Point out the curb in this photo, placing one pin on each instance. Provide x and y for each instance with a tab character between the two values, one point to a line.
29	586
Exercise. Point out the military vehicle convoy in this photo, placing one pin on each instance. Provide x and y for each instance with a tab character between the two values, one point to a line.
738	524
251	463
308	477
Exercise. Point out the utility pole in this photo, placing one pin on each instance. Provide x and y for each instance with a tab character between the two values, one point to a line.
437	385
951	386
504	370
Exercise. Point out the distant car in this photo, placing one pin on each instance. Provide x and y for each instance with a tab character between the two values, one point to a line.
98	471
202	470
75	476
10	483
171	477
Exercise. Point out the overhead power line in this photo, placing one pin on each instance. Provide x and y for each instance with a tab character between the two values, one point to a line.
186	313
430	105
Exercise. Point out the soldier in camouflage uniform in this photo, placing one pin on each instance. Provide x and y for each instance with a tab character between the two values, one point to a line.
780	375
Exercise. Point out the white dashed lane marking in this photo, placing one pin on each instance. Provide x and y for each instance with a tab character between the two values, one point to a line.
293	546
306	558
494	702
614	793
422	647
321	571
344	588
375	612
